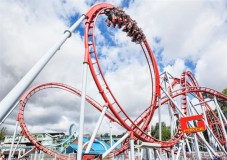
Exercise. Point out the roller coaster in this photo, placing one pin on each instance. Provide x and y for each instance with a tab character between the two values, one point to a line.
198	131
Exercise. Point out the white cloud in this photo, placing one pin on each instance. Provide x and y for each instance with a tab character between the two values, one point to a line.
186	30
211	67
176	69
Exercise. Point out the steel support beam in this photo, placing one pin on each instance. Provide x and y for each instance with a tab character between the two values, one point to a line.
12	97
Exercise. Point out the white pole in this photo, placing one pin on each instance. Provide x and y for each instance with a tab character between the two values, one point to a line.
39	156
19	140
11	110
223	116
12	144
19	153
211	156
183	148
27	153
141	154
115	145
82	106
111	136
35	155
205	117
179	150
221	120
197	147
190	112
187	143
149	153
172	153
129	155
159	157
160	119
96	129
132	147
9	101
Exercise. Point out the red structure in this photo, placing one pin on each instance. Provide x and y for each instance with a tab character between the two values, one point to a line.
200	127
139	128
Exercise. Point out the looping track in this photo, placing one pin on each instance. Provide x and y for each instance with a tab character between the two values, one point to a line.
187	84
28	94
91	56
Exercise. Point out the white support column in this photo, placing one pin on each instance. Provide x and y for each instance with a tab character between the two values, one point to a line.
96	129
111	136
221	120
19	140
9	101
150	153
19	153
7	115
12	144
132	146
35	155
223	116
172	126
197	147
129	155
159	157
172	154
187	143
211	156
82	107
155	154
179	149
183	149
39	157
115	145
42	156
205	117
190	112
141	153
27	153
159	119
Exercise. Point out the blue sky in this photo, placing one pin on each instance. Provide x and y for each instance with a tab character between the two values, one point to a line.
185	35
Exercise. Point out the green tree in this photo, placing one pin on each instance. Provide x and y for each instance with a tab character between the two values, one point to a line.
3	132
165	131
223	104
224	91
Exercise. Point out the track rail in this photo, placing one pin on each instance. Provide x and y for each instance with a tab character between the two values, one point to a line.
28	94
116	17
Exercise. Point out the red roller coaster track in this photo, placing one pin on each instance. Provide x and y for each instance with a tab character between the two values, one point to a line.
28	94
187	84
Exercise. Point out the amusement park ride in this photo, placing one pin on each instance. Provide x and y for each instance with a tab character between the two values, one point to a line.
189	122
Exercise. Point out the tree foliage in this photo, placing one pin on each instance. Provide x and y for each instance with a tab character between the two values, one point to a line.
223	105
3	132
165	131
224	91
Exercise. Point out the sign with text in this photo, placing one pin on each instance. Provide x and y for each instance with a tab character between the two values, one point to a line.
199	126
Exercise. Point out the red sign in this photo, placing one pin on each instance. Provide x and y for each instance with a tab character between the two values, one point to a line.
200	127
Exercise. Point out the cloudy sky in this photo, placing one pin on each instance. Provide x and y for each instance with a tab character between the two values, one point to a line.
184	34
